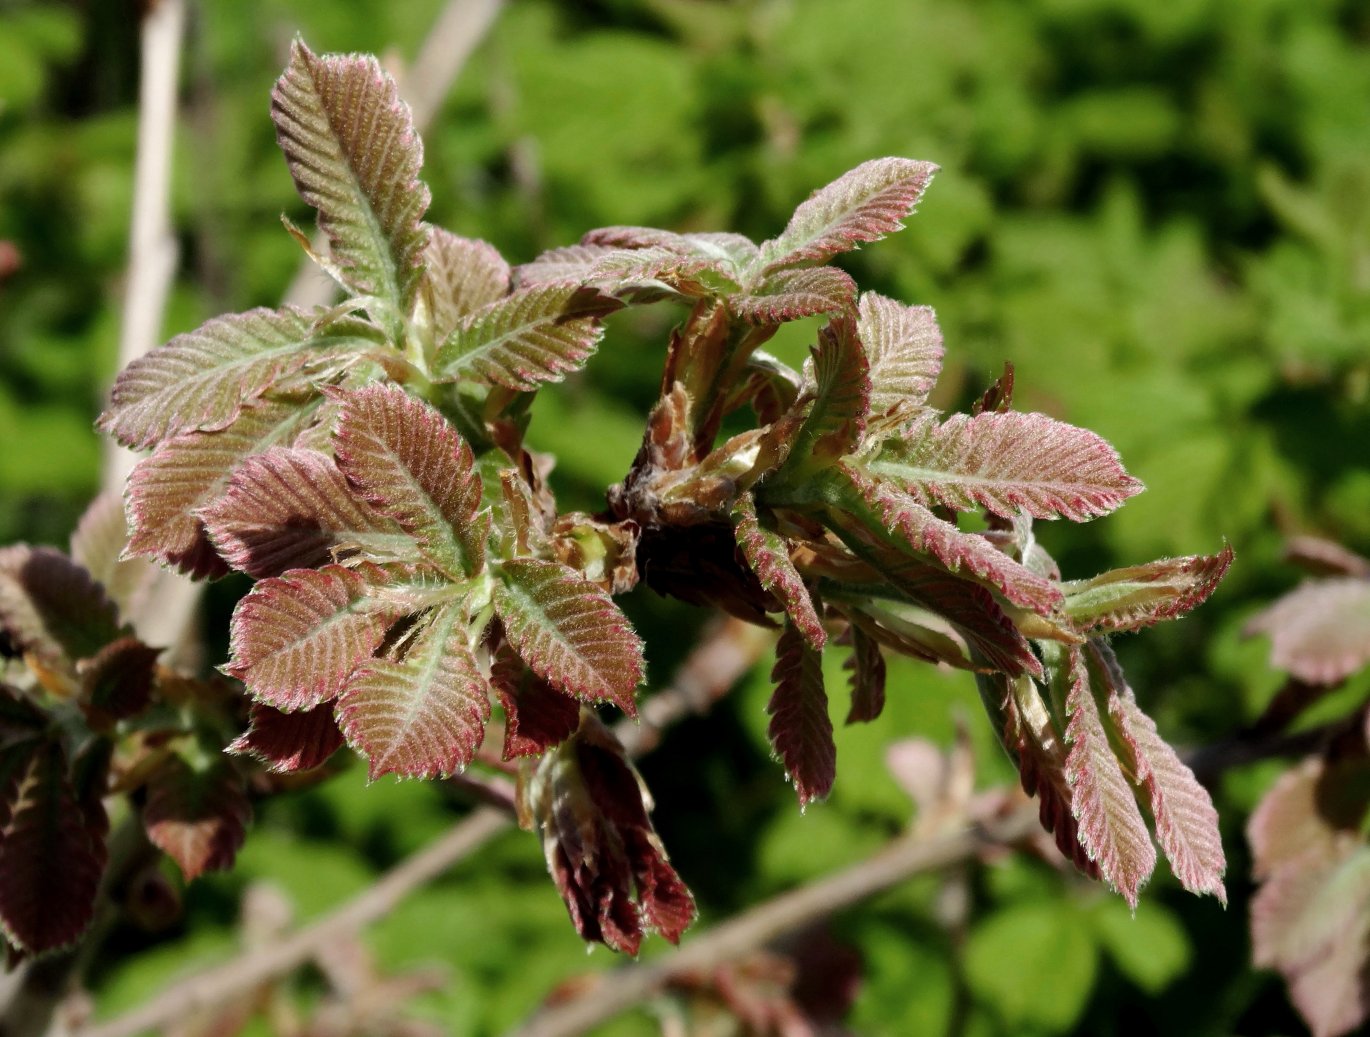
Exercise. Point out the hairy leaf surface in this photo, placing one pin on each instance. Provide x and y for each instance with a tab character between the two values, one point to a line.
463	275
904	347
561	265
860	206
794	294
1007	463
800	729
1319	632
841	382
197	817
767	555
536	715
1142	595
351	147
290	742
569	632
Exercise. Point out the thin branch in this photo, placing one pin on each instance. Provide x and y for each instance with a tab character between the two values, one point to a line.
614	992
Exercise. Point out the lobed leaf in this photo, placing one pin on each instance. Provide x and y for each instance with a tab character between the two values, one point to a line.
860	206
405	459
800	729
51	857
767	555
536	715
1186	823
423	716
354	156
1111	826
462	275
1142	595
569	632
903	345
296	639
197	817
1320	631
202	380
51	608
789	295
537	334
1007	463
287	508
289	742
167	490
867	680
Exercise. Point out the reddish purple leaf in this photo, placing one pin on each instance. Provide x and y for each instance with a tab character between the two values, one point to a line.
800	728
860	206
767	555
1321	557
1142	595
1111	826
839	378
650	272
867	666
292	509
795	294
569	632
463	275
998	398
560	265
424	715
290	742
51	608
20	719
535	335
536	715
1320	631
50	860
295	639
116	682
733	253
1007	463
904	347
167	490
354	155
406	460
198	818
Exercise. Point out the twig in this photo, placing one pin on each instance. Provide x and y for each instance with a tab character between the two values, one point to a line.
620	989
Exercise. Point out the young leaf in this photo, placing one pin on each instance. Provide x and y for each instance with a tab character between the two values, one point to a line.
197	817
292	509
1186	823
1007	463
768	556
405	459
858	207
424	716
535	335
1320	631
295	639
561	265
50	860
167	490
116	682
794	294
462	275
867	666
1111	826
569	632
800	728
651	272
1319	557
842	387
202	380
290	742
354	156
97	545
1141	595
904	347
536	715
51	608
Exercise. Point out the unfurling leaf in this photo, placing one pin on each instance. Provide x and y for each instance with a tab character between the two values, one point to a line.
51	855
1320	631
536	715
842	388
1111	826
287	508
197	817
867	666
1186	823
648	273
351	147
405	459
535	335
202	380
1007	463
768	557
602	852
295	639
858	207
904	347
423	716
800	729
794	294
462	275
51	608
1141	595
290	742
569	632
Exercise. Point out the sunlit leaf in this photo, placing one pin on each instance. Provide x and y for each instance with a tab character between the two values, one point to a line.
290	742
800	729
767	555
561	265
197	817
1320	631
462	275
794	294
840	376
97	545
644	273
1142	595
903	345
351	147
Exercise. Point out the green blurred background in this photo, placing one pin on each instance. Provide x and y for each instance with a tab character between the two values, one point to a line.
1159	212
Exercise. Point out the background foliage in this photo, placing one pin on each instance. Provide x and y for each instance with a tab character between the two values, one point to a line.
1159	213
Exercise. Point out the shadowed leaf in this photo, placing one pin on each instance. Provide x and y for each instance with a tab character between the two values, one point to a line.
648	272
463	275
51	608
198	818
351	147
1142	595
1007	463
97	545
1320	631
794	294
290	742
536	715
903	345
800	729
116	682
867	666
767	555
